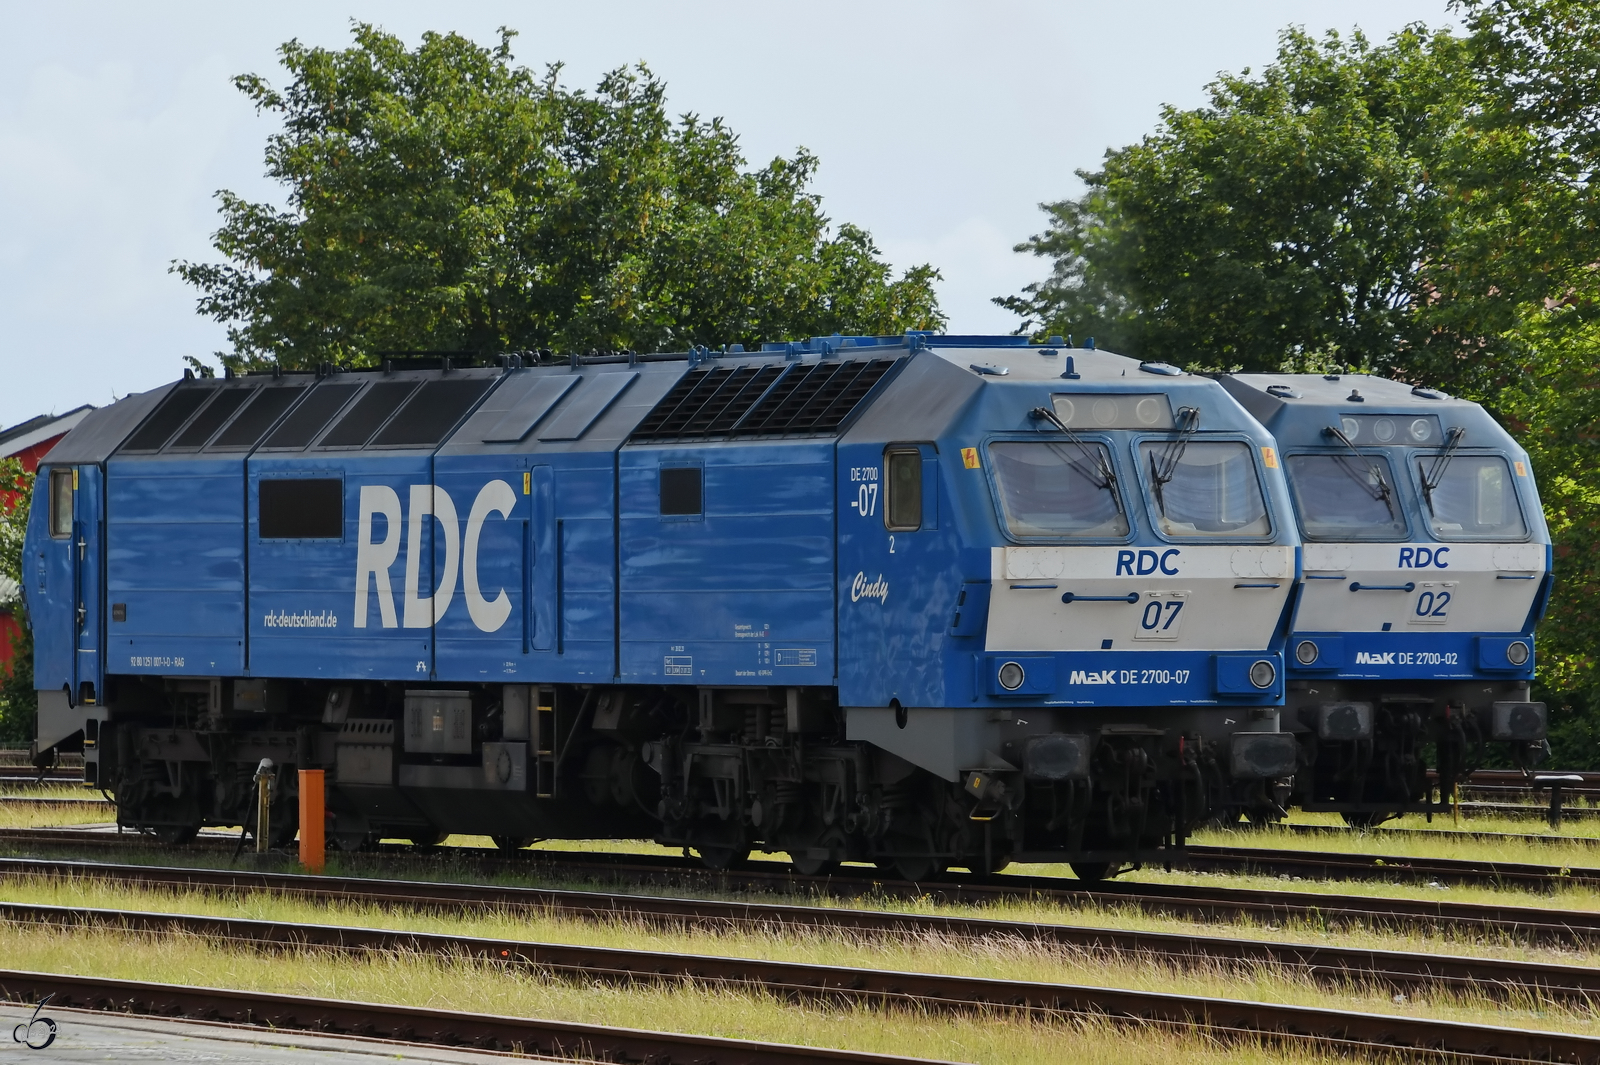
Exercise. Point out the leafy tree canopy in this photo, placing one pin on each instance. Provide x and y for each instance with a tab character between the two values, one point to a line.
443	198
1330	211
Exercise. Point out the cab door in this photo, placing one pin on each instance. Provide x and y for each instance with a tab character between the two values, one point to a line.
51	581
88	536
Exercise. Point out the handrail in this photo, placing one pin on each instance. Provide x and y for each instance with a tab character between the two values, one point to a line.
1408	586
1074	597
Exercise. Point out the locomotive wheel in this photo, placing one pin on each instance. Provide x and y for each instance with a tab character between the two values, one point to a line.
512	843
914	868
427	837
720	858
1089	872
351	842
177	835
808	866
1367	818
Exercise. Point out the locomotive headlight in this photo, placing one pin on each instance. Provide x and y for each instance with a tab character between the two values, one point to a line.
1263	673
1383	429
1305	653
1148	411
1421	429
1105	411
1517	653
1011	676
1351	427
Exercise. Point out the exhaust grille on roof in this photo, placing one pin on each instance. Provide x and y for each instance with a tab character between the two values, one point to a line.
795	398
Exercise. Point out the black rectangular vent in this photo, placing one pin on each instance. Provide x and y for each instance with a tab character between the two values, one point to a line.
167	418
682	490
368	414
302	426
433	412
797	398
219	410
254	421
301	508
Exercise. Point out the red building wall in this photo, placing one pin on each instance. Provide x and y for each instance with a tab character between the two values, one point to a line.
30	457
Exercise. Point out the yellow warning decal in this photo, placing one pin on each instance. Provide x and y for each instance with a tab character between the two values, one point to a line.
527	482
1522	471
1270	457
969	457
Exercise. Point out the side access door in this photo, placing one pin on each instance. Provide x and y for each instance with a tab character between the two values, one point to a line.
88	540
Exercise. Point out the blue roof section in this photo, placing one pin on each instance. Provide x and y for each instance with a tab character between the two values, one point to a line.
914	339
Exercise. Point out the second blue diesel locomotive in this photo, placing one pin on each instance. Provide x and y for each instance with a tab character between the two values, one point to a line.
1426	565
918	601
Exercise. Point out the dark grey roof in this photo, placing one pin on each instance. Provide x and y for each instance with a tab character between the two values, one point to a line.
103	431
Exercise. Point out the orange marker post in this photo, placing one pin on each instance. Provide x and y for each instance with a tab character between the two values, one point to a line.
313	851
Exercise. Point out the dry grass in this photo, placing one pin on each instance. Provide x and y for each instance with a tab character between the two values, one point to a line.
997	958
457	984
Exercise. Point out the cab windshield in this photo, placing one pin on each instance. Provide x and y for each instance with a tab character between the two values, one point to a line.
1474	499
1209	490
1055	490
1345	497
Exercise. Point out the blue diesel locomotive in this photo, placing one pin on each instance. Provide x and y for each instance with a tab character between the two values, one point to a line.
1426	565
919	601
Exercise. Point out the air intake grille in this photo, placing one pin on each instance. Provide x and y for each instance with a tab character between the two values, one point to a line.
800	399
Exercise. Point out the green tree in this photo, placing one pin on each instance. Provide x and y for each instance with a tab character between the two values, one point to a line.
444	198
1304	217
18	703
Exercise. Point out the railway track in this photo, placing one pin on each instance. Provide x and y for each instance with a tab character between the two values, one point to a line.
1461	834
1332	865
1396	969
925	991
1329	865
417	1025
1202	902
1391	970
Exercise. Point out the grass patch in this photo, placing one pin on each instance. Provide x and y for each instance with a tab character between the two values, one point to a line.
1006	958
458	984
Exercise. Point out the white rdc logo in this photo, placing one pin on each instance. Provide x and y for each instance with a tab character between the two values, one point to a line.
374	559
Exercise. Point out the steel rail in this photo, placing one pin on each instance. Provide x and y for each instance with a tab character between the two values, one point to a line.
1394	969
1448	834
56	802
928	991
1326	865
1332	865
1534	923
415	1024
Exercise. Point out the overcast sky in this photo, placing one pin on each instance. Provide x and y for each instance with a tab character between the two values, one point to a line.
940	127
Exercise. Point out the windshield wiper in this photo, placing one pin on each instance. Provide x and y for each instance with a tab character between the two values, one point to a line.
1096	456
1164	467
1382	491
1441	462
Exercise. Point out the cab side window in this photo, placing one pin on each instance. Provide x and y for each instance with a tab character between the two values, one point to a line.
60	503
902	510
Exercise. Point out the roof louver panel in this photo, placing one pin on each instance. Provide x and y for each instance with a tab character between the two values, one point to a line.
771	400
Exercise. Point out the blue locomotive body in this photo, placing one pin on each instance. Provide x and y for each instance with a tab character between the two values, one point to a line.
1426	566
918	600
